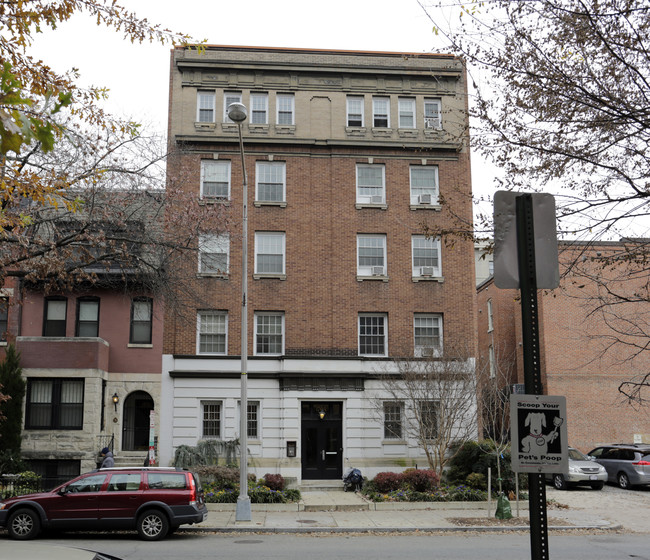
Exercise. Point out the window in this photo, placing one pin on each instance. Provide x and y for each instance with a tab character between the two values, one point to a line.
215	179
92	483
406	109
87	317
373	335
211	419
167	481
124	482
55	317
380	112
214	254
270	181
212	328
427	330
490	316
141	311
424	184
230	97
54	403
269	333
393	420
285	106
355	111
371	255
4	318
427	416
259	108
205	106
492	362
269	252
426	257
432	117
253	419
371	184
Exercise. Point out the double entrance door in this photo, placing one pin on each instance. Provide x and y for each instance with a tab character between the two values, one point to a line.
322	440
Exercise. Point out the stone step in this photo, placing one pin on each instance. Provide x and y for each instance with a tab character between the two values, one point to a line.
321	485
333	501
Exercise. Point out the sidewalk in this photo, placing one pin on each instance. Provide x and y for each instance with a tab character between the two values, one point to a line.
349	512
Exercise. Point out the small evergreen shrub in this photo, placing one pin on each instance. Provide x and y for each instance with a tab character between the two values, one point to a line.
477	481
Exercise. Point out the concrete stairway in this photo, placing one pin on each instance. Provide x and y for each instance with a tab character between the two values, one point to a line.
328	495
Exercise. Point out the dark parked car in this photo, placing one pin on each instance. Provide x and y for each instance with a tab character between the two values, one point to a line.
626	464
581	471
155	501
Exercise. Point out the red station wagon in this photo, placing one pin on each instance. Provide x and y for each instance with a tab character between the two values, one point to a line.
155	501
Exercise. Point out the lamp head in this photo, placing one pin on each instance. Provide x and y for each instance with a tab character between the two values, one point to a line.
237	112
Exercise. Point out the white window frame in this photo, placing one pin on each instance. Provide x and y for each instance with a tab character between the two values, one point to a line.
490	315
492	361
363	242
384	317
205	165
201	330
432	114
279	110
389	418
258	412
230	97
420	242
205	101
214	244
258	316
378	103
417	190
435	320
205	404
351	111
260	236
259	173
366	193
406	110
259	110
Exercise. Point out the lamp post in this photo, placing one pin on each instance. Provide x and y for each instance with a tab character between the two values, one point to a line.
238	113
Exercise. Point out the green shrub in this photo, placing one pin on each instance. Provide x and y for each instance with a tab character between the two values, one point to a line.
477	481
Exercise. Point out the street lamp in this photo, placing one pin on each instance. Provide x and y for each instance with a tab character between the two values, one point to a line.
238	113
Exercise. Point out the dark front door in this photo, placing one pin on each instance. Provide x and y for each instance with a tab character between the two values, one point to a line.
135	430
322	440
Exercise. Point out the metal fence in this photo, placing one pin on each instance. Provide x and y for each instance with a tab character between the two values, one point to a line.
16	485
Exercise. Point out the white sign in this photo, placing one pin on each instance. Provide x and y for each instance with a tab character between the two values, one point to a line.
539	434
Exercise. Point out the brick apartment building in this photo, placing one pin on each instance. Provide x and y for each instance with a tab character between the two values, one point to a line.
583	357
347	155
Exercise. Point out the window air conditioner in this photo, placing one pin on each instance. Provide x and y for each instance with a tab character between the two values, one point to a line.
518	389
377	270
426	271
376	199
431	123
424	199
426	351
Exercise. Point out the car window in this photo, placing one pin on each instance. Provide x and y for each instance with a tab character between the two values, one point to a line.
598	452
169	481
91	483
626	455
124	482
577	455
609	453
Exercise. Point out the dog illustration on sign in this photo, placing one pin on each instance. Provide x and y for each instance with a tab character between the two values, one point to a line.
536	441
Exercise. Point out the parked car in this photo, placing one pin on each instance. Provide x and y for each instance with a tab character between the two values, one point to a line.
581	471
626	464
155	501
35	551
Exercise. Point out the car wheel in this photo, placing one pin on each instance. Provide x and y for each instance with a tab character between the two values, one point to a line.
24	524
153	525
623	481
559	482
597	485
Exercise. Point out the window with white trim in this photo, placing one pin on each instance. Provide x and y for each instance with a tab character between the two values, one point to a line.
215	179
354	110
393	419
141	320
427	419
424	184
371	255
214	254
212	329
371	184
490	315
259	108
426	256
230	97
427	333
269	252
205	106
406	110
211	419
432	114
381	112
492	362
286	108
373	334
270	181
269	333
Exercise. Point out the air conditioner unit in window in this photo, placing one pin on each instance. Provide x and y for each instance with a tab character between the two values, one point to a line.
431	123
424	352
518	389
424	199
377	270
426	271
376	199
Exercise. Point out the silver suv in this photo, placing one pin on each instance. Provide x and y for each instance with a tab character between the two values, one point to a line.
626	464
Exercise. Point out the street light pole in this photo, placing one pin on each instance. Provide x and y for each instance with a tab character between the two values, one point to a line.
238	113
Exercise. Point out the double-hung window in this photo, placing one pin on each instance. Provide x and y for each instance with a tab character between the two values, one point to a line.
354	111
270	184
252	417
213	330
214	254
54	403
87	317
371	255
141	320
4	318
393	419
406	110
55	317
424	184
205	106
211	416
373	334
215	179
371	184
269	333
381	112
432	114
230	97
427	419
426	256
259	108
285	108
269	252
427	331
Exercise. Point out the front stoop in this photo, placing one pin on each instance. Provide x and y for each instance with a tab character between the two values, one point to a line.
334	485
